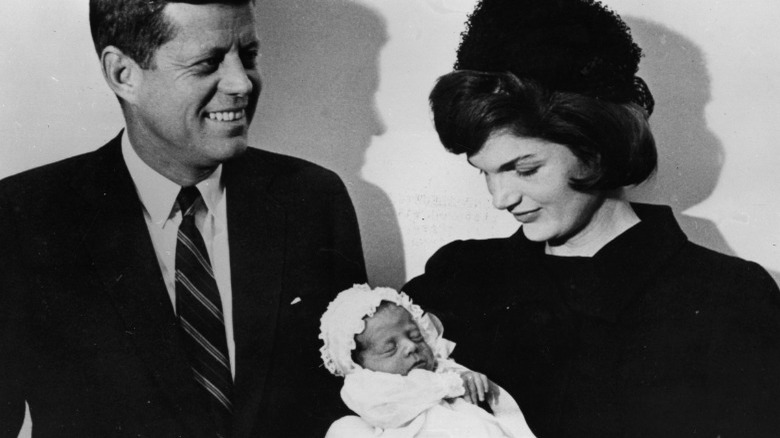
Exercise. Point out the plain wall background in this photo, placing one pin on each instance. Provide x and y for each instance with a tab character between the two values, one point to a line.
346	85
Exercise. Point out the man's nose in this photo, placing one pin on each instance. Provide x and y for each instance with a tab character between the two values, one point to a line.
235	80
505	194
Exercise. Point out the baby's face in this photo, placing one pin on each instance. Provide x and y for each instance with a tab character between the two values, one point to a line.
392	343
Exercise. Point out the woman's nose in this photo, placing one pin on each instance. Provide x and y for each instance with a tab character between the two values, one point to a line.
505	194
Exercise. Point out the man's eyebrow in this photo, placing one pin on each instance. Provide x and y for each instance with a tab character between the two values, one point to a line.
207	52
251	45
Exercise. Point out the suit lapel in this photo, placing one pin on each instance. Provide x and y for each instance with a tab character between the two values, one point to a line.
123	256
256	233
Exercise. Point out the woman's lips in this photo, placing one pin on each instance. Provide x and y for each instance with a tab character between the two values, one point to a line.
527	216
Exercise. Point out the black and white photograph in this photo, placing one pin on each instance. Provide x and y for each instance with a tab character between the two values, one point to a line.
389	218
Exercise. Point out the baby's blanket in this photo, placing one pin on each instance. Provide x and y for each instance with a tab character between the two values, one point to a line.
421	404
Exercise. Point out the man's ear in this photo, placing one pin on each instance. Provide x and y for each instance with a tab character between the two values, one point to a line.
121	72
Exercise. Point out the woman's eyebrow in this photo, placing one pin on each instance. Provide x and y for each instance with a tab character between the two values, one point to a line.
511	164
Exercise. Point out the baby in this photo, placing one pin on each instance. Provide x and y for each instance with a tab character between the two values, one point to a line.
398	376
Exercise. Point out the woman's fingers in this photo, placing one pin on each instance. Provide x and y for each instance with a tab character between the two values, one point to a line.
482	386
471	388
477	385
493	391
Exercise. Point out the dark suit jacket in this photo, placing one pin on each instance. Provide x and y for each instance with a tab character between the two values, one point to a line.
89	337
654	336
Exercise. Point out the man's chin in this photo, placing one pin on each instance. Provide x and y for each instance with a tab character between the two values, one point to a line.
230	149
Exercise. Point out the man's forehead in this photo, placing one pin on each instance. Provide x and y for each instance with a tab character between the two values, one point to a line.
211	25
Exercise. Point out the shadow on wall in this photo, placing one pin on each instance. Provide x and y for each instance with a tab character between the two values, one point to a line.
320	72
690	156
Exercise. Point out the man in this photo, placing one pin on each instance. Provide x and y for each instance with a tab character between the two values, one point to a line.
171	282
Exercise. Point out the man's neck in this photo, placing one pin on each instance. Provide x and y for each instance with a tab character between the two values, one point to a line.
166	165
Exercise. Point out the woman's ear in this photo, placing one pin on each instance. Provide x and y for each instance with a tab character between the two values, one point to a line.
121	72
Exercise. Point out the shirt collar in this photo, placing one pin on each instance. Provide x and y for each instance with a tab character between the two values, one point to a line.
158	193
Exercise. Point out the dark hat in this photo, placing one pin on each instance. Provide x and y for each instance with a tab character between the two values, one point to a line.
576	46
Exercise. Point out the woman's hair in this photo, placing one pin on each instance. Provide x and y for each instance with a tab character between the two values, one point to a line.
613	141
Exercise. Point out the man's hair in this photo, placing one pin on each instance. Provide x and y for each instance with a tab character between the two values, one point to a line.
136	27
613	141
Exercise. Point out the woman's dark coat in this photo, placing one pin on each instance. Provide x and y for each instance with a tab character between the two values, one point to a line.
664	338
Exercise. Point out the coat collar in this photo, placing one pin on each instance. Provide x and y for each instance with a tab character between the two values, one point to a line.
116	236
622	267
123	259
257	226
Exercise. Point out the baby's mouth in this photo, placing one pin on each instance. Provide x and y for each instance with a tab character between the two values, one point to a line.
420	364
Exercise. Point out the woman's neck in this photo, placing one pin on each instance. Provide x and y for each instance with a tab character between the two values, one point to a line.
613	217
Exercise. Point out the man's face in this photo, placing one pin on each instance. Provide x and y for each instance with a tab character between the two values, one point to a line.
196	101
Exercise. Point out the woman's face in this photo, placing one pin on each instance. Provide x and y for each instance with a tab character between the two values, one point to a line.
529	178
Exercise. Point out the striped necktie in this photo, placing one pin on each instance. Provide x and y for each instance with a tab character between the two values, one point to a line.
199	310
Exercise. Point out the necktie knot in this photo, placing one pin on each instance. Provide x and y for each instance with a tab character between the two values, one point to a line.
188	196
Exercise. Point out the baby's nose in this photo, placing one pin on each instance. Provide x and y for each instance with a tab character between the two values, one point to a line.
410	347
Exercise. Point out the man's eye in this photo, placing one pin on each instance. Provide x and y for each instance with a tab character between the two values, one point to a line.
210	64
249	60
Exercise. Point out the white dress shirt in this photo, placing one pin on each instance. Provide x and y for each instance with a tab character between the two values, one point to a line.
158	196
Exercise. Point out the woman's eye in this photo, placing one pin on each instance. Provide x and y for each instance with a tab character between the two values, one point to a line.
526	172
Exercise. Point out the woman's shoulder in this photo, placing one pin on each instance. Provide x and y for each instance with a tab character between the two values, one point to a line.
725	274
679	265
698	278
458	267
468	252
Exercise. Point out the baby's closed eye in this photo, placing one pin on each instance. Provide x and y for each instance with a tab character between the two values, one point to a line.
388	349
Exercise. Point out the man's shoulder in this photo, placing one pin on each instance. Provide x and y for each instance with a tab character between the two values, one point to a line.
49	178
56	174
262	163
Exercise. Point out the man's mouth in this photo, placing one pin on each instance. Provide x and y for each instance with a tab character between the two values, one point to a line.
227	116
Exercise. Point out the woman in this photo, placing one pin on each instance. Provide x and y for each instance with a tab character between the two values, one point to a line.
602	319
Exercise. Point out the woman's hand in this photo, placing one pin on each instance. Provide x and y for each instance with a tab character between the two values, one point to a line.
477	386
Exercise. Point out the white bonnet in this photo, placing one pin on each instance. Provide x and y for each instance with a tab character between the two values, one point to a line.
344	319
